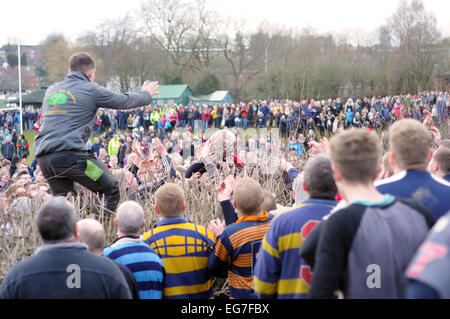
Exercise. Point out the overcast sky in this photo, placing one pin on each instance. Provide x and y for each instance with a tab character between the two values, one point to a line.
39	18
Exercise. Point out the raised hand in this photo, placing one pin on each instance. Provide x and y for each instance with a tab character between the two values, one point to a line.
159	148
324	143
216	226
151	87
436	135
226	188
428	120
316	148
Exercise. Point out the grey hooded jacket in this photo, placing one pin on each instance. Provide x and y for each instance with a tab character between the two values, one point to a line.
69	112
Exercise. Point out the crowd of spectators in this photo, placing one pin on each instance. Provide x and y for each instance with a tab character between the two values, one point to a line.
255	243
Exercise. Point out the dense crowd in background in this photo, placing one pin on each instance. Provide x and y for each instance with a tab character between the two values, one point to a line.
150	149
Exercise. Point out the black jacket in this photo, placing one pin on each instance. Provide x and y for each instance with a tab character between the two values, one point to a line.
8	150
63	271
121	154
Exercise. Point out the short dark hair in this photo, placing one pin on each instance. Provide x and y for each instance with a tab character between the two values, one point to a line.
81	62
319	178
56	220
442	157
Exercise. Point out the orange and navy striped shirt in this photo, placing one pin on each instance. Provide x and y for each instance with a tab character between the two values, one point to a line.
236	252
184	248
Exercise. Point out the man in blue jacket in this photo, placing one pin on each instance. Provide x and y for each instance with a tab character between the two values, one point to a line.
95	148
68	115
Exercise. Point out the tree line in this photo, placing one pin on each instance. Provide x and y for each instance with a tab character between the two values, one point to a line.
175	41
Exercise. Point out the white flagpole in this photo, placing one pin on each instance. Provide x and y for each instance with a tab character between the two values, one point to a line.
20	87
19	65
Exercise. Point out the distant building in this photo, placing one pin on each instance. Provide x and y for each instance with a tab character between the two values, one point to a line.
172	94
442	83
217	97
9	80
34	98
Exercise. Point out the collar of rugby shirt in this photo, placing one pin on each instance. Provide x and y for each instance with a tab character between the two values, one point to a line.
172	220
46	247
126	240
254	218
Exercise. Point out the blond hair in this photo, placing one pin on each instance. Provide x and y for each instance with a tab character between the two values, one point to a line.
410	142
356	153
4	171
170	200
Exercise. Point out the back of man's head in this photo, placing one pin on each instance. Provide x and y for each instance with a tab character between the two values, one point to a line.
56	220
91	233
442	157
356	153
130	218
410	142
248	196
81	62
319	178
170	200
269	203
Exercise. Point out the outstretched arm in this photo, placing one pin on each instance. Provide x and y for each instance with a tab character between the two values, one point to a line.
106	98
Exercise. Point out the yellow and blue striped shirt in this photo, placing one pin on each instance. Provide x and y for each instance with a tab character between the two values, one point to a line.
280	272
184	248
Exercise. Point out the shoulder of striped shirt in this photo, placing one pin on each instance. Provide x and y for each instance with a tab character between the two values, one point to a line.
394	178
191	226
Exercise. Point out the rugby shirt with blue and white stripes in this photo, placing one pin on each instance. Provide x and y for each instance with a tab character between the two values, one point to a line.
144	263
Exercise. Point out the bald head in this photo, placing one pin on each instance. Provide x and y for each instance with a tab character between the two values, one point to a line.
129	218
269	203
91	233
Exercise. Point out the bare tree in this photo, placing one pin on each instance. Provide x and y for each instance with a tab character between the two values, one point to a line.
242	58
385	39
415	32
112	41
170	23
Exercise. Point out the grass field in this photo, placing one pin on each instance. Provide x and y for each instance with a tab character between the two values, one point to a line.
29	136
